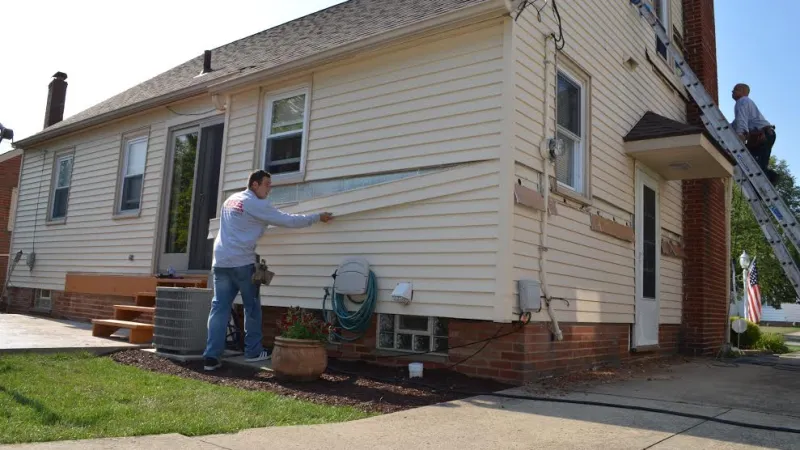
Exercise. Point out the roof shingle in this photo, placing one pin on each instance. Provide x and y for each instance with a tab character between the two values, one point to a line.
324	30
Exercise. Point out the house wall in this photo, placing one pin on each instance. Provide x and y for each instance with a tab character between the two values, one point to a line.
9	177
594	272
92	239
437	101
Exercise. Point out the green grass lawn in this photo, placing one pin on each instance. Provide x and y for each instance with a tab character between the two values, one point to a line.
779	330
79	396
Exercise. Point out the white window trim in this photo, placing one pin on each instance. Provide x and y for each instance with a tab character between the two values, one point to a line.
69	154
41	295
12	210
579	158
665	6
430	332
127	141
269	99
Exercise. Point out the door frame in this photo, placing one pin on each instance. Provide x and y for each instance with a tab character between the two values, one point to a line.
166	181
644	177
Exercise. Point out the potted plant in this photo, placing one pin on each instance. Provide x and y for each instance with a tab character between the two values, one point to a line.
299	353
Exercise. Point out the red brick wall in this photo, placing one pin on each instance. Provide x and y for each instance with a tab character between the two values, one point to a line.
516	358
72	306
9	176
705	289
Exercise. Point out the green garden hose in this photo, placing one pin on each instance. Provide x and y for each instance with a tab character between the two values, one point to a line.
356	322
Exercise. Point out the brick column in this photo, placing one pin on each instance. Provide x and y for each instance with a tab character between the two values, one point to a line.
9	175
705	230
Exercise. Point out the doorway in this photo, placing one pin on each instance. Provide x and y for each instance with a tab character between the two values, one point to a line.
191	188
648	262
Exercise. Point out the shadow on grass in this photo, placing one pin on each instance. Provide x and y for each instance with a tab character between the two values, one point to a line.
46	416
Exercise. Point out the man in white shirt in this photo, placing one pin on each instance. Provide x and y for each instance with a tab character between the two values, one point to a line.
753	129
244	217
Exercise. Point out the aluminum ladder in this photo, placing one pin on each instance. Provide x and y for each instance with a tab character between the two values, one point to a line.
759	192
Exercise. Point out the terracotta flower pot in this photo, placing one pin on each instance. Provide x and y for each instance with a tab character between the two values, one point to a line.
299	359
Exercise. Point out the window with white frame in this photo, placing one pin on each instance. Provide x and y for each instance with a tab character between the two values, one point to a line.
134	156
285	128
413	333
62	178
43	300
571	131
661	8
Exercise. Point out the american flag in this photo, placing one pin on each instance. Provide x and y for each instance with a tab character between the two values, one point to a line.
753	295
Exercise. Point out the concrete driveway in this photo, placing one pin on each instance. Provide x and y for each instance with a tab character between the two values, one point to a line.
756	394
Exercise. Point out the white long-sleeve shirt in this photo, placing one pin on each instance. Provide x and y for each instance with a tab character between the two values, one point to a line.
747	116
243	219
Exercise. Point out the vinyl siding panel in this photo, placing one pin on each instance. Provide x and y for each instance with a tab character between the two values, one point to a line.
593	271
439	231
91	239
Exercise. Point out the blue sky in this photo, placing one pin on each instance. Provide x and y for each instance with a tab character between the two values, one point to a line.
753	47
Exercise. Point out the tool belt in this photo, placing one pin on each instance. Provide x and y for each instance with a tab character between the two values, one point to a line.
757	137
262	274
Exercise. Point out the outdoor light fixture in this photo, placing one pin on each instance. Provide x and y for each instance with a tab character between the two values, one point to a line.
556	147
744	260
6	133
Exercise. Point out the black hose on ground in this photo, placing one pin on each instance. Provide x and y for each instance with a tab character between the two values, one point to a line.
579	402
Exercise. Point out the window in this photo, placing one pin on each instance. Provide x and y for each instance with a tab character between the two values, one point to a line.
62	179
12	209
571	131
285	128
413	333
134	156
661	8
43	300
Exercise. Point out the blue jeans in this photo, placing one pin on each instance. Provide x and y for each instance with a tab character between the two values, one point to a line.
228	281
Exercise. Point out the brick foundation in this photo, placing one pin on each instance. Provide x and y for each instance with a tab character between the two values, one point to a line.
70	305
517	358
522	356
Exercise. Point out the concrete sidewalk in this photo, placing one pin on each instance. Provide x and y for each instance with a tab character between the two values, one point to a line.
744	393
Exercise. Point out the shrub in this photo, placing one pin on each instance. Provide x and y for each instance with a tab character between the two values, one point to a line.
297	324
749	338
772	342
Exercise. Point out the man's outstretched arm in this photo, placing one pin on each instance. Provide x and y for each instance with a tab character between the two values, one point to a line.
273	216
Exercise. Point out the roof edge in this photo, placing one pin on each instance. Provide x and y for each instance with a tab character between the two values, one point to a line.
488	7
216	85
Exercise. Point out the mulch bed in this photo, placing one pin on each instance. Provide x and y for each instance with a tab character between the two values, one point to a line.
346	383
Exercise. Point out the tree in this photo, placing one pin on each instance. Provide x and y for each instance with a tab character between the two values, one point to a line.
747	235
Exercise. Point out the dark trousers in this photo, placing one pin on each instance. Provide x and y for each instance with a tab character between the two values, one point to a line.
762	152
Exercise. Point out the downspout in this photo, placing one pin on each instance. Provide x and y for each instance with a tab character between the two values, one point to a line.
544	149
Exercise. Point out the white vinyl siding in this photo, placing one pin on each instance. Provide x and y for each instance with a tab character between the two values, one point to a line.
429	103
593	271
92	239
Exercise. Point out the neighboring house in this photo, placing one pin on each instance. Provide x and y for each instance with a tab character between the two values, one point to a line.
10	163
420	124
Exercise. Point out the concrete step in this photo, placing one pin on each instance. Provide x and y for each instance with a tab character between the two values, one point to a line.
141	333
182	282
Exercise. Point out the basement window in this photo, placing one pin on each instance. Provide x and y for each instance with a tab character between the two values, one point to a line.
43	300
413	333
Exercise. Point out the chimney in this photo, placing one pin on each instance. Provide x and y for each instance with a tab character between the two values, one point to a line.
206	62
56	97
706	268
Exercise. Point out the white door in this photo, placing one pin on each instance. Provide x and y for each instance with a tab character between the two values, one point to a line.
648	261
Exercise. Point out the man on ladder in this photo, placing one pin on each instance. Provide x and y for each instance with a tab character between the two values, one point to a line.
753	129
